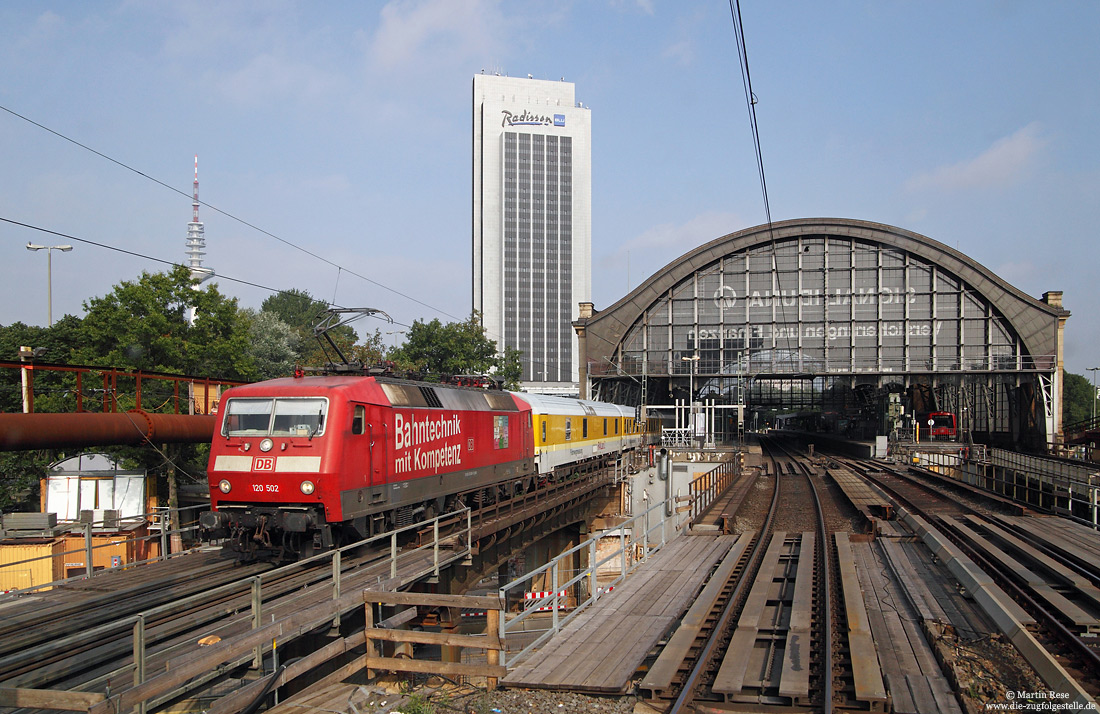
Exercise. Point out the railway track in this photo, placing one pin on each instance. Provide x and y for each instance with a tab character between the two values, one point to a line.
1058	593
771	633
85	638
755	636
30	621
97	655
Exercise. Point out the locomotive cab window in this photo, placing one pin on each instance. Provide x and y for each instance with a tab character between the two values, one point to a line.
275	417
359	420
605	427
584	428
543	430
616	427
568	429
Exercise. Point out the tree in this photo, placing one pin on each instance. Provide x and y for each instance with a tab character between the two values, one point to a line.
301	310
275	345
52	391
372	350
21	473
143	325
296	308
457	348
1077	396
509	367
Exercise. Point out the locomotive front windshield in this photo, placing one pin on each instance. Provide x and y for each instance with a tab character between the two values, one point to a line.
290	416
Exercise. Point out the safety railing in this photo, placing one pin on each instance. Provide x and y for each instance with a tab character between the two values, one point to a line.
110	389
706	487
650	531
253	589
677	438
166	526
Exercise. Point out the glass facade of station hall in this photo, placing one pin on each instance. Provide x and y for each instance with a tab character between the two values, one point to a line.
823	305
829	322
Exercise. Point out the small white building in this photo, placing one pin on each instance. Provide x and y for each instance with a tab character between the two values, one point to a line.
94	482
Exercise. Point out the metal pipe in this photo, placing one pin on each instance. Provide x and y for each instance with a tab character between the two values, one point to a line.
57	431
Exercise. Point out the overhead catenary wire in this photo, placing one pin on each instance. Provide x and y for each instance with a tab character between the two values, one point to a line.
750	103
162	261
190	197
151	258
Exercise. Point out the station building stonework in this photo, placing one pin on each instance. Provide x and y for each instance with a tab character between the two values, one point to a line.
834	316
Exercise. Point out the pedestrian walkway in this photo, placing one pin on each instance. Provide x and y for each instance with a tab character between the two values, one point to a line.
602	649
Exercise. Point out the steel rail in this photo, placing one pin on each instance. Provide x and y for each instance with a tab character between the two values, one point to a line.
827	625
687	692
1088	655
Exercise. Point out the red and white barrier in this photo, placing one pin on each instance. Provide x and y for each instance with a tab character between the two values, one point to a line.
540	595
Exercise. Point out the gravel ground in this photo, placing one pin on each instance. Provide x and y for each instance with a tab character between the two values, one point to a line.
437	696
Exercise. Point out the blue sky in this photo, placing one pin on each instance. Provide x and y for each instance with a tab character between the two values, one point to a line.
344	128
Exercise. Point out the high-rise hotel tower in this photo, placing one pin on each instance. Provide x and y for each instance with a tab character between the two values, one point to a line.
532	222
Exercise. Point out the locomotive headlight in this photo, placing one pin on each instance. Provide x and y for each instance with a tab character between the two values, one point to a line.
266	445
307	487
224	486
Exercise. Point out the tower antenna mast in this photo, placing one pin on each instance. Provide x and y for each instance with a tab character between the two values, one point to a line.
196	241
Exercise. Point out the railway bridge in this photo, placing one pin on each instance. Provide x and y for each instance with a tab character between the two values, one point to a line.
741	573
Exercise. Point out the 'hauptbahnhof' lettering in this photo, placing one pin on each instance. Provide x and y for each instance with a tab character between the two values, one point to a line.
833	316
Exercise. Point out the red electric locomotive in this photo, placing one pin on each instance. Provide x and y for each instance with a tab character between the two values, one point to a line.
937	425
304	463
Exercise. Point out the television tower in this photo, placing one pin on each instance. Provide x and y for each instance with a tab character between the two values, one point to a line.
196	243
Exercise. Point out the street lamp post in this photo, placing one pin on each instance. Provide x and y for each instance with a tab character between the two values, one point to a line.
1093	370
49	272
694	359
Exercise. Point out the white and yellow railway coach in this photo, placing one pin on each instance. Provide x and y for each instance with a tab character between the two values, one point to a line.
570	432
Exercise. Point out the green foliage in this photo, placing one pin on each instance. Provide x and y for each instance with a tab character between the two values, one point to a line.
20	472
456	348
372	350
417	704
296	308
300	310
143	325
275	345
510	368
1077	396
52	391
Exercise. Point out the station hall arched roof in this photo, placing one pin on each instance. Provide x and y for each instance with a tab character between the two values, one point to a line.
1034	321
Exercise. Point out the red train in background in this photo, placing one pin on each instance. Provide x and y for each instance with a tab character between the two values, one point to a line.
937	425
303	463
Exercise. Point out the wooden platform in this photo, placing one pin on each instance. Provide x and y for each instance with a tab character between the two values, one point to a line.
658	681
602	649
867	499
913	676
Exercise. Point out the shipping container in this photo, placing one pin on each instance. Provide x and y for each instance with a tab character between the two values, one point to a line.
109	550
48	566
